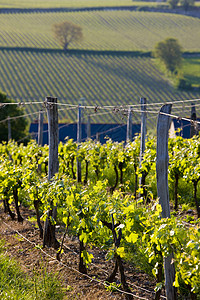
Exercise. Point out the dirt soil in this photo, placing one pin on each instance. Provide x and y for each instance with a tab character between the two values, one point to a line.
22	240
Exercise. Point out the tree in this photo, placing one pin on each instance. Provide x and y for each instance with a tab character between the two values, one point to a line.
18	126
67	33
186	4
170	53
173	3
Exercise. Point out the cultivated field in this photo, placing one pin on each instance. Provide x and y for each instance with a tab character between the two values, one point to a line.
101	80
191	70
45	70
70	3
102	30
108	221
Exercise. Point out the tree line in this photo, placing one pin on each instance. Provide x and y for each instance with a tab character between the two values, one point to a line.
186	4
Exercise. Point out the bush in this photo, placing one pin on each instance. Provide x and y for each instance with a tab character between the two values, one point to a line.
170	53
182	84
19	126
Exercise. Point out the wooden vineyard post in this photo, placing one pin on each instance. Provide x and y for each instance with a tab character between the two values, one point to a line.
163	126
9	129
88	128
129	134
142	142
98	137
40	128
78	142
194	126
49	237
40	142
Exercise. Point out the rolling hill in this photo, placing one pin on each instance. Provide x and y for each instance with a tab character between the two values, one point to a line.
32	65
102	30
100	79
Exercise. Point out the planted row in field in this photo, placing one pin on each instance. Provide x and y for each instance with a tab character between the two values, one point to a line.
102	30
70	4
101	80
111	219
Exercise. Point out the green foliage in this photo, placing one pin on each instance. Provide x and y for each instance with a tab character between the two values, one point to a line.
170	235
18	126
173	3
170	53
177	156
191	71
100	218
188	259
186	4
183	84
112	286
192	161
149	159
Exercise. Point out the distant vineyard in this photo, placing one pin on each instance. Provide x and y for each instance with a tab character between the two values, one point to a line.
103	30
101	80
69	3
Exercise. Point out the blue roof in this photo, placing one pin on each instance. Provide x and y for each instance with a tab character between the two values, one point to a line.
184	125
117	132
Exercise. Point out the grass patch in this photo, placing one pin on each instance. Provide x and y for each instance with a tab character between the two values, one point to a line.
191	71
16	284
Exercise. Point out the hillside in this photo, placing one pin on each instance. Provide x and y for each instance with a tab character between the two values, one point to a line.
101	80
33	66
102	30
72	4
94	211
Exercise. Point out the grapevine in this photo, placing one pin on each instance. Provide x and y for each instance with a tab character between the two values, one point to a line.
113	219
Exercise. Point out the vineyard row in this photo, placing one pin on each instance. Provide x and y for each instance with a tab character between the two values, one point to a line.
105	209
101	80
102	30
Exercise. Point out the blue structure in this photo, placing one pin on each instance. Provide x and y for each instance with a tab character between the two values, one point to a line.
184	126
117	132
